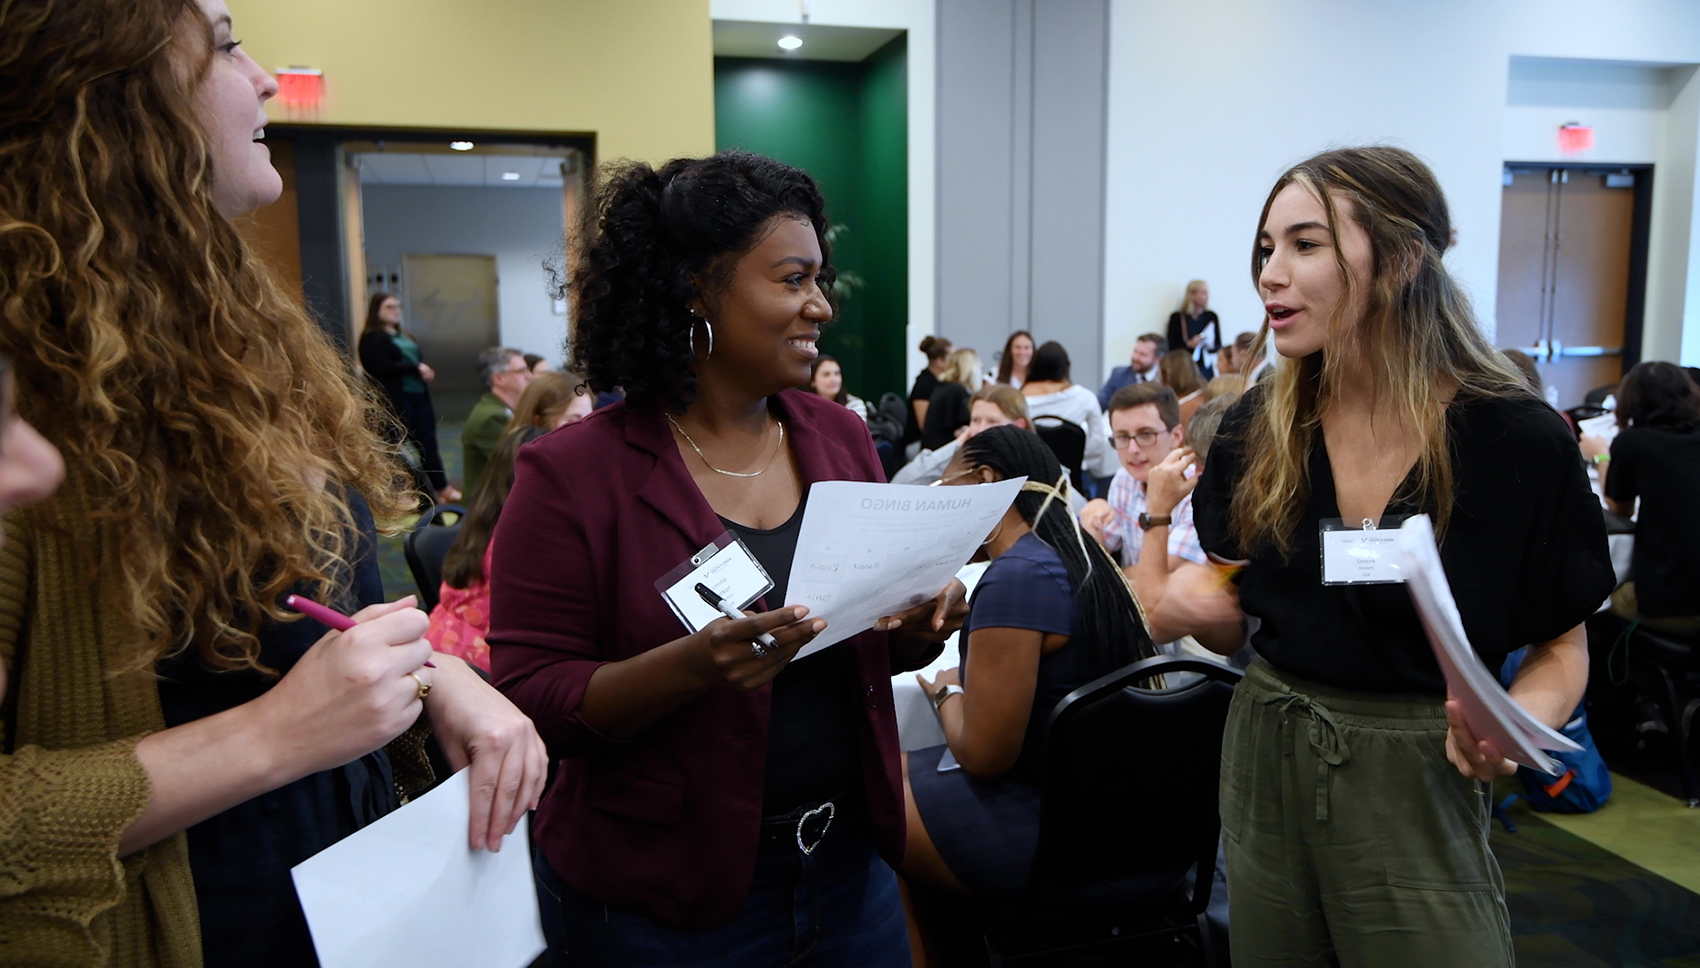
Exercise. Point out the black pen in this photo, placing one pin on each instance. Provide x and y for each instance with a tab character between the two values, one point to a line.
716	601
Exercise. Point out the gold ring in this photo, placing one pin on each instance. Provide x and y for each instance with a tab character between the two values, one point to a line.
424	687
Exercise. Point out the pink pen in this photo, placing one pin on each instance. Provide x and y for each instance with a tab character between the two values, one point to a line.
327	616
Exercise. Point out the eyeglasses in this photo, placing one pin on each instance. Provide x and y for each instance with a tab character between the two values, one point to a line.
1144	438
952	477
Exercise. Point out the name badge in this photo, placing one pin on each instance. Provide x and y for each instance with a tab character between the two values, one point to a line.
1361	556
727	567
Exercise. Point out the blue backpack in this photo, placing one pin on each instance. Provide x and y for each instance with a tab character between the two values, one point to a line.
1585	784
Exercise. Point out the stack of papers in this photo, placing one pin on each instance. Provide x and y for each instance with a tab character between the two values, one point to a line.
1488	709
866	550
407	890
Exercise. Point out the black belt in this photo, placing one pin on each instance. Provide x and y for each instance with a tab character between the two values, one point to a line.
805	826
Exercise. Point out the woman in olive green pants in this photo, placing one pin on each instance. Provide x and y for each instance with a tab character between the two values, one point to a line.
1354	805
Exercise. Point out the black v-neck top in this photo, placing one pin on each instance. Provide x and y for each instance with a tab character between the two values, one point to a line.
1525	553
812	749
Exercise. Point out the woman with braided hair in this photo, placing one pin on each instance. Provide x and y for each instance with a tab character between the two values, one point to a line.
1051	614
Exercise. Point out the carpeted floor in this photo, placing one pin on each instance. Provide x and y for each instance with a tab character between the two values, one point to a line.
1577	905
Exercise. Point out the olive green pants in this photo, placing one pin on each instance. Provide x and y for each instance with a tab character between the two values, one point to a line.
1350	839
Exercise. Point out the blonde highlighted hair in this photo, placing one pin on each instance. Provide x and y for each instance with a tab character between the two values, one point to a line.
200	409
1418	341
963	369
1005	398
1186	300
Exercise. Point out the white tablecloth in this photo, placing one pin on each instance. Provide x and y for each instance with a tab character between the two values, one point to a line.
917	726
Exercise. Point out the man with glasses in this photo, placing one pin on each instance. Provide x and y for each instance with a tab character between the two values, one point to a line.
506	374
1145	425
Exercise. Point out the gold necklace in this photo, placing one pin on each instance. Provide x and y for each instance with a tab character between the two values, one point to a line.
777	450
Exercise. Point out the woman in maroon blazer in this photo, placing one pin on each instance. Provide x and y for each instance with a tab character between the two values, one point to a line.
714	805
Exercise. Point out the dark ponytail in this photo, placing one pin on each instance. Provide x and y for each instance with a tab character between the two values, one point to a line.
1109	616
659	239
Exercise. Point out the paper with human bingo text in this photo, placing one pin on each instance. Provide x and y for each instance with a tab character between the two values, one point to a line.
1488	709
866	551
407	890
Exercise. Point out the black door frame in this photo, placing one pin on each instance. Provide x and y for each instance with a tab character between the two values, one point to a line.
1640	229
318	198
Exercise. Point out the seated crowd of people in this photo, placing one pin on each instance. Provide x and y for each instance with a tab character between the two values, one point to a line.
189	449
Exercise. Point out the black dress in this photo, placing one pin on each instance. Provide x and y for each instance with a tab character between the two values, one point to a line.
987	831
389	367
946	414
240	859
922	391
1183	328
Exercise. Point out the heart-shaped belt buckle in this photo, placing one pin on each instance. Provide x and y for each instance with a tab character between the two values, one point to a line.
826	812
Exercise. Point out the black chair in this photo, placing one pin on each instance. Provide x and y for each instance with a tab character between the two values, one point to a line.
1597	396
1067	440
426	546
1666	666
1128	827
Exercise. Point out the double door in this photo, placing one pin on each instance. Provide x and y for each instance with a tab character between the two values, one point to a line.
1566	240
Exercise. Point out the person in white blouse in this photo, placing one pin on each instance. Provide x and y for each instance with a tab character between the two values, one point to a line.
1050	393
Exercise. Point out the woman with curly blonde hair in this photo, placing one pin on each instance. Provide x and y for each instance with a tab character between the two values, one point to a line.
179	740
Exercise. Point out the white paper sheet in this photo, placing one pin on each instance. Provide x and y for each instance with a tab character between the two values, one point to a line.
408	891
1604	426
870	550
1488	709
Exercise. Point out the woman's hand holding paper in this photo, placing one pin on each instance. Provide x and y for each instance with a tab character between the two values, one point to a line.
478	727
726	658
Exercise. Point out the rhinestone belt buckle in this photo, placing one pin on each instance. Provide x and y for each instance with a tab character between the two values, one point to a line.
813	825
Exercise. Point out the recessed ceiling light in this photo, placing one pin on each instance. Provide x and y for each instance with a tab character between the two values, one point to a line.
510	176
789	42
461	145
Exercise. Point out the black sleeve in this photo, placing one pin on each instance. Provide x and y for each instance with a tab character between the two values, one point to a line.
1566	571
1177	331
1214	325
382	358
1215	491
1620	477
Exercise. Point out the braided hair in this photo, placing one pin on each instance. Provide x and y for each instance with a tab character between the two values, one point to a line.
1110	618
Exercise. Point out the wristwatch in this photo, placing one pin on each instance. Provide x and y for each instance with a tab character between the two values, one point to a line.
945	692
1147	522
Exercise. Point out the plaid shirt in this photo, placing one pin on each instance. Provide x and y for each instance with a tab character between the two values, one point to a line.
1124	535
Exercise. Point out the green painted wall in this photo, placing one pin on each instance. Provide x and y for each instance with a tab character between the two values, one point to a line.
847	125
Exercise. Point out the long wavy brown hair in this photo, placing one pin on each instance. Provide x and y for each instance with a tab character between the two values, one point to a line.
1418	338
200	409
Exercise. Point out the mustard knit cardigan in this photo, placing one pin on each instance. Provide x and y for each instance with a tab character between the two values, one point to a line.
70	783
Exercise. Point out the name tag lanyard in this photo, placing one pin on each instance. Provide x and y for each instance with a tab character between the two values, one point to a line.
727	567
1365	555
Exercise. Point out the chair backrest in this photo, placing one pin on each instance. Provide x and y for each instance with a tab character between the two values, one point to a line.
1130	781
1598	395
426	546
1067	441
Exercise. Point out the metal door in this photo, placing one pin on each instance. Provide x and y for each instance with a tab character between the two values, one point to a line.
1564	274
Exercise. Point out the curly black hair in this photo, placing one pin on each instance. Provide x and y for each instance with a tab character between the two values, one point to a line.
1110	620
659	239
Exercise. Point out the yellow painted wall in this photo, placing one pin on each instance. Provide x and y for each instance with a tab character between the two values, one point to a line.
639	74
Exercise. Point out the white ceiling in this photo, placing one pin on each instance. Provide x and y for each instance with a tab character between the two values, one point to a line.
401	168
744	38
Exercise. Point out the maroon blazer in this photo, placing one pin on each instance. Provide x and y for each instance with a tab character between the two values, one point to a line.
666	824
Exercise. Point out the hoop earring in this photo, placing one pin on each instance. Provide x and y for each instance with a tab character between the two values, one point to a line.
693	336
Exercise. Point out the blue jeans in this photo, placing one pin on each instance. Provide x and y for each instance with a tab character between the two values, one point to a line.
837	907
